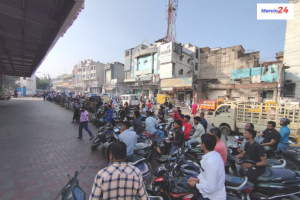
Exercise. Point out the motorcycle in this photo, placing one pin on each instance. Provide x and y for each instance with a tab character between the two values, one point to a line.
170	181
274	182
103	136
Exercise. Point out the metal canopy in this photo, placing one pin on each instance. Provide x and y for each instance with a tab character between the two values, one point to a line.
29	29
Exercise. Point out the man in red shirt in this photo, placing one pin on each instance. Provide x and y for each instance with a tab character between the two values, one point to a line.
149	104
220	146
186	123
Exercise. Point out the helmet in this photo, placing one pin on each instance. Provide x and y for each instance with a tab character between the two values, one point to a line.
286	121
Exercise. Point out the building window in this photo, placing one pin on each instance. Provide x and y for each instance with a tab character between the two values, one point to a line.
189	60
180	57
180	72
83	69
127	53
289	90
196	66
83	76
197	53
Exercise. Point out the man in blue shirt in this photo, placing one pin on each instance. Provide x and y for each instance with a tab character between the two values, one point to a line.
151	124
285	133
108	114
129	138
203	121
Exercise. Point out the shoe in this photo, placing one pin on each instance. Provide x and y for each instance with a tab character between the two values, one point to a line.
92	137
79	137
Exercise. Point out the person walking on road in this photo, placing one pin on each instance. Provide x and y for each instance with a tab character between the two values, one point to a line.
84	116
44	95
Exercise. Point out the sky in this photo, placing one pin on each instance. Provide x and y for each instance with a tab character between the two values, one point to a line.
105	29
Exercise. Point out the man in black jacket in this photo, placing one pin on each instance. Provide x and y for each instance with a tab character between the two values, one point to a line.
178	136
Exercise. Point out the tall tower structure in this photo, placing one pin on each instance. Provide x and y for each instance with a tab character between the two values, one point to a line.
171	13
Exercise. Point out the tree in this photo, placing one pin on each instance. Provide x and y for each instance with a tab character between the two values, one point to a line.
42	83
10	82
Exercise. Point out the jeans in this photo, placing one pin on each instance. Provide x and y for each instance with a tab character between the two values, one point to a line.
85	126
202	198
161	135
173	149
190	143
282	145
76	112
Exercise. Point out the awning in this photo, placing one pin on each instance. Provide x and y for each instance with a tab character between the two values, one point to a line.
175	83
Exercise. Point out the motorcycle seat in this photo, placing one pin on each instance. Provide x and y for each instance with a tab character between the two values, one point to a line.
162	124
140	146
233	181
136	159
272	162
273	174
148	134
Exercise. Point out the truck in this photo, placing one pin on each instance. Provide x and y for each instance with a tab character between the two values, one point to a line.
234	115
208	106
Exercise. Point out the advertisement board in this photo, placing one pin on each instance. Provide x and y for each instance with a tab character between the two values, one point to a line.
165	53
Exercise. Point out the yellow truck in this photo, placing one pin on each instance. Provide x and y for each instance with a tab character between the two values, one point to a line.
161	98
233	117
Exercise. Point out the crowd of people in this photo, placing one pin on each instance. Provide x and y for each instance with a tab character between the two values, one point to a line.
211	181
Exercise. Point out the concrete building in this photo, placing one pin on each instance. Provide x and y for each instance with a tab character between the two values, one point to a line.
89	76
67	82
161	68
216	66
291	83
114	78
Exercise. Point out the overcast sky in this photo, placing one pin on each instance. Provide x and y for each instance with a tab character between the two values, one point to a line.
106	28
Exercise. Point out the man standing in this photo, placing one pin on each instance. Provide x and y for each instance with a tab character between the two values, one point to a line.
271	137
254	152
211	180
77	106
149	104
44	95
137	123
129	138
203	121
177	135
285	133
119	180
151	125
84	117
198	132
220	146
186	123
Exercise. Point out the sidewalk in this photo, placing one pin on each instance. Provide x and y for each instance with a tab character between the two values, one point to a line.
39	148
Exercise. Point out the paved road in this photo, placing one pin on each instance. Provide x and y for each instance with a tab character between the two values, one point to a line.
39	148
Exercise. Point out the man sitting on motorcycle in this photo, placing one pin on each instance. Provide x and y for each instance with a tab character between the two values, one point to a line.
151	125
220	146
137	123
129	138
211	180
271	137
178	136
255	152
186	123
198	132
108	114
144	110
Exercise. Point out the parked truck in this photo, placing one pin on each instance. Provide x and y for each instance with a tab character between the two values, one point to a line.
208	106
233	117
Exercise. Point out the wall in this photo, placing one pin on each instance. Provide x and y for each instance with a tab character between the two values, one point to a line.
217	64
266	76
292	49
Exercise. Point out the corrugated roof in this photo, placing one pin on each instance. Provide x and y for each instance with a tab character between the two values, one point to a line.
29	30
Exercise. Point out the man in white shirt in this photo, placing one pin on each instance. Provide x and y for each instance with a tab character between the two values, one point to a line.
211	180
197	134
151	124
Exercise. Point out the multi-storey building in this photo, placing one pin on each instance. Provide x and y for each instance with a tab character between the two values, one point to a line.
89	76
291	83
113	78
160	68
